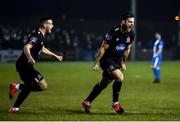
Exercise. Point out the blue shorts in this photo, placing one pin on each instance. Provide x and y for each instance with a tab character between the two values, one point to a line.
156	62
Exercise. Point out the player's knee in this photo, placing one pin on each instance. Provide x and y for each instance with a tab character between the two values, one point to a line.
45	86
120	78
117	75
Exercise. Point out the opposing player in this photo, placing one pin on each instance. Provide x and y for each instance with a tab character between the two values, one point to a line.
33	80
157	57
111	56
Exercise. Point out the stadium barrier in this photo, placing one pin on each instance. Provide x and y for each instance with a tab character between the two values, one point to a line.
9	55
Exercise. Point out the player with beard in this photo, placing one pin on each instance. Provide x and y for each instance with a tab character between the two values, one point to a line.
111	57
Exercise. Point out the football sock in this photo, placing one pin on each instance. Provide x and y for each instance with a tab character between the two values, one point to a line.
114	103
21	86
17	86
116	90
26	89
95	92
22	95
36	87
156	73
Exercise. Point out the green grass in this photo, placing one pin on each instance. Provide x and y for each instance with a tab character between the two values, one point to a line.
71	82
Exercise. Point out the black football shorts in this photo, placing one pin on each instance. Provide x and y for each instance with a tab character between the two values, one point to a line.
108	66
27	73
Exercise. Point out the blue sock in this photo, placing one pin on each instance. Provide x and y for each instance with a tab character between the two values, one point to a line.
156	73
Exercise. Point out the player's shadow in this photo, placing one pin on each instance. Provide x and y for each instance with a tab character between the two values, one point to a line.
74	111
126	113
95	112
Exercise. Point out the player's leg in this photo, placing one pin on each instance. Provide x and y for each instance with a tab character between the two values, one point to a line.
119	77
33	81
25	91
21	97
14	87
155	67
38	82
43	84
97	89
94	93
106	79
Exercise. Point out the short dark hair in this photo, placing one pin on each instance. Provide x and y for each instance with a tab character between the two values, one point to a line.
44	18
126	15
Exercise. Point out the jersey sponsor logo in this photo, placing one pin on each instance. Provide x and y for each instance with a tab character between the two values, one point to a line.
120	47
108	37
33	39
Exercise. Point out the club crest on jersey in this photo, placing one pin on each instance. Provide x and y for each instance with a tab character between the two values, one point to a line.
128	40
117	39
108	37
120	47
33	39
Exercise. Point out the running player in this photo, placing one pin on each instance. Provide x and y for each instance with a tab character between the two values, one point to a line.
33	80
111	57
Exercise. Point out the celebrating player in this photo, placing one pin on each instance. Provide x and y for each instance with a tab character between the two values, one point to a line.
33	80
111	56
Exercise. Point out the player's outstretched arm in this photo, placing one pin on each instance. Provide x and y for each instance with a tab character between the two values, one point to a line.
49	53
99	55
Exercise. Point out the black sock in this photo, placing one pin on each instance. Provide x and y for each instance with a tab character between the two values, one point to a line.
22	95
36	87
33	87
95	92
116	90
21	86
26	89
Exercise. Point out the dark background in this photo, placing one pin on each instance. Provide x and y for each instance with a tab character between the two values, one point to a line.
92	9
97	17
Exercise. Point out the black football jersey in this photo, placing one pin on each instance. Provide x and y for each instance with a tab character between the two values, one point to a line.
36	39
118	42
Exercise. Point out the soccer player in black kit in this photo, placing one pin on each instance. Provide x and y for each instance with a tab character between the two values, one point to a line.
33	80
111	57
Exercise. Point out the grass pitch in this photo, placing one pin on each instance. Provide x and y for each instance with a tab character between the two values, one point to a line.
71	82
